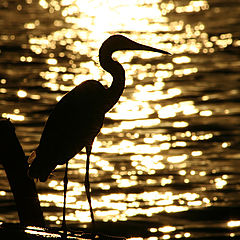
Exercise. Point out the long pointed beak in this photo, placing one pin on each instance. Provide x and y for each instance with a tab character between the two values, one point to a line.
128	44
138	46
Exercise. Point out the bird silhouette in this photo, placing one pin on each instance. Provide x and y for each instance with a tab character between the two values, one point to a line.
78	117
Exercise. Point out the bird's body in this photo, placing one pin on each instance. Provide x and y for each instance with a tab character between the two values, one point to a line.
82	111
78	116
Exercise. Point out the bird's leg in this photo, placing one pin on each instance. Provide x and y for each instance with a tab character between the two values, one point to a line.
65	180
87	185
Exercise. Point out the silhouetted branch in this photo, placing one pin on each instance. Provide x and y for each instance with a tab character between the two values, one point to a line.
23	188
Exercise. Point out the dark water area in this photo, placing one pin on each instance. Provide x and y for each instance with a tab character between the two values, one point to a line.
166	164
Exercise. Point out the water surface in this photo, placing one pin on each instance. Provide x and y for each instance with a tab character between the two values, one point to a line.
166	163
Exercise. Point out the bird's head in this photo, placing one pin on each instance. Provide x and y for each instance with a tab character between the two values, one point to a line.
119	42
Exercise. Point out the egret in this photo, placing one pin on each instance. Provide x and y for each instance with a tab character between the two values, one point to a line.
78	117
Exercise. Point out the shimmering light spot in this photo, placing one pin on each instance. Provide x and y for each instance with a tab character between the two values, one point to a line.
205	98
148	95
166	229
124	183
186	107
3	81
186	180
52	218
52	61
195	203
179	144
29	25
16	111
177	159
220	183
3	90
202	137
178	235
194	6
196	153
181	124
104	186
165	181
166	236
206	113
135	238
187	234
131	125
41	232
153	230
131	110
19	7
225	144
185	71
43	3
182	172
22	93
233	223
192	172
14	117
35	96
2	193
202	173
206	200
49	75
181	60
190	196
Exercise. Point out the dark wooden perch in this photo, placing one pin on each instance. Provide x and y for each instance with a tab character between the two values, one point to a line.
23	188
25	195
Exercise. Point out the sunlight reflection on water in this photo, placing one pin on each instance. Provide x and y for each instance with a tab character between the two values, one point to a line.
164	147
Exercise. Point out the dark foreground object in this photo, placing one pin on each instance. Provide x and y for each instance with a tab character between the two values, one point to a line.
16	231
23	188
32	224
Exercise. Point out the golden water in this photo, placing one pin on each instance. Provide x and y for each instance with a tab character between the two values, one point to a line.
166	163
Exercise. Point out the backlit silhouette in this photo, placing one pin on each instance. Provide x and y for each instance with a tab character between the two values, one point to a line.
78	117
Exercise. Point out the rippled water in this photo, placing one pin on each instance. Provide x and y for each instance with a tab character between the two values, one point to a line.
166	164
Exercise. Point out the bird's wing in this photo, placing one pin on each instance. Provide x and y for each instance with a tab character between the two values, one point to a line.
74	123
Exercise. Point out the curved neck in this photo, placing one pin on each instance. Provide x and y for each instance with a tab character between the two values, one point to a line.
116	70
